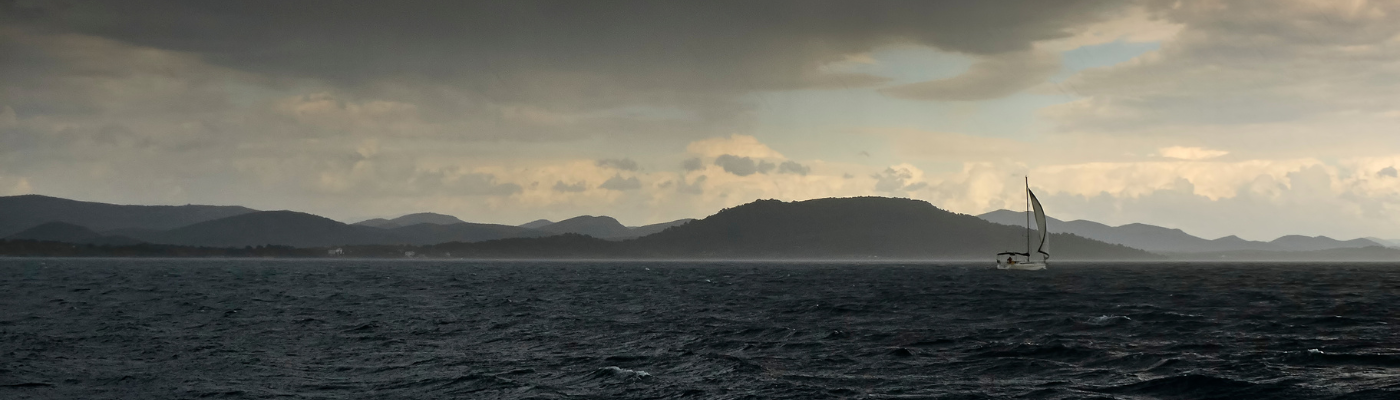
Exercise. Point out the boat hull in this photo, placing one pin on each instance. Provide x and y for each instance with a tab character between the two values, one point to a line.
1024	266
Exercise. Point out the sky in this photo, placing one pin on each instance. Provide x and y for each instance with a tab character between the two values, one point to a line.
1248	118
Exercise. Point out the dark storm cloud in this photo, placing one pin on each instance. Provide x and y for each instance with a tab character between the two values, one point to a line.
692	164
1388	171
742	166
565	55
895	180
617	182
792	167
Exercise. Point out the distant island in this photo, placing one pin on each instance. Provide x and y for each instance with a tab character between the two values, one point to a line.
860	228
1175	241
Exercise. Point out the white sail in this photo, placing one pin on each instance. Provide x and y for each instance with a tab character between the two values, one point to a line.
1040	220
1010	262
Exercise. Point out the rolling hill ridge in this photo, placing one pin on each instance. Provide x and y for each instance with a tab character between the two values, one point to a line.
1167	240
18	213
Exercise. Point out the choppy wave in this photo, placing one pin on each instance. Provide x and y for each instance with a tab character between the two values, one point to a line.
379	329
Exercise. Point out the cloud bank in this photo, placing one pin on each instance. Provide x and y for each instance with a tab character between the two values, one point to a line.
652	111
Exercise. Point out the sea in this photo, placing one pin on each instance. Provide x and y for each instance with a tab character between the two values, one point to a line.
434	329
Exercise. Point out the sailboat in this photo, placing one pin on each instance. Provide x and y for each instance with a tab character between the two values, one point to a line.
1011	261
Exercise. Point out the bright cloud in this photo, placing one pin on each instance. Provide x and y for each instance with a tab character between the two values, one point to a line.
734	145
1190	153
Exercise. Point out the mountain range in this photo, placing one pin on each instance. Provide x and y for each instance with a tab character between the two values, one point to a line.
869	227
835	228
411	219
603	227
855	227
1167	240
18	213
864	227
33	217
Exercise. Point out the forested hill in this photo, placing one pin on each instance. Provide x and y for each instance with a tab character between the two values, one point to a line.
858	227
18	213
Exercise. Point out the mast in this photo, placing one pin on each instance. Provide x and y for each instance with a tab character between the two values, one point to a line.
1028	218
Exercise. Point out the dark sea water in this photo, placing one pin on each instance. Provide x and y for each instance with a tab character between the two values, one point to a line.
146	329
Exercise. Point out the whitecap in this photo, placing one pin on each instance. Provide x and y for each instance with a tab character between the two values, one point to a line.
1105	319
626	373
